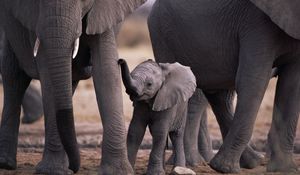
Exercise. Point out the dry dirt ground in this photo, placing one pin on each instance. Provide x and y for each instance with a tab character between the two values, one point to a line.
89	129
28	158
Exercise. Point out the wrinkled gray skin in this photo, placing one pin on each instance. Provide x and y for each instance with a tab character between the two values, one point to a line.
160	96
32	102
233	45
197	142
50	30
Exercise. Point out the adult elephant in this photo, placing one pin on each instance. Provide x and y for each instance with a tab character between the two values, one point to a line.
41	39
233	44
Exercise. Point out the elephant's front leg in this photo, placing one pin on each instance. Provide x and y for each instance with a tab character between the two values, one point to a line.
54	160
15	82
106	76
137	130
285	119
159	132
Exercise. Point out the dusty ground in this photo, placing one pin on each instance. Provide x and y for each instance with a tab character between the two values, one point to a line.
89	128
28	158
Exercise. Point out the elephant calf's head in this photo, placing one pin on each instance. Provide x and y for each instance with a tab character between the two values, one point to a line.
163	84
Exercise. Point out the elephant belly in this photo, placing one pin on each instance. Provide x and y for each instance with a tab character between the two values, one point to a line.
203	40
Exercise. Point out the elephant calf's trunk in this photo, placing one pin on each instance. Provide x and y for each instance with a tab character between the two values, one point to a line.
128	82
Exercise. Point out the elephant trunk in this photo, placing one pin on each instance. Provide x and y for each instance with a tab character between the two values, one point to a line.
128	81
61	80
57	32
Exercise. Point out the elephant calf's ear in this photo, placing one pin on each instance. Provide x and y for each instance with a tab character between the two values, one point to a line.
284	13
179	86
105	14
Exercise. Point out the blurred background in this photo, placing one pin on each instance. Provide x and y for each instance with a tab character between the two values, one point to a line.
134	46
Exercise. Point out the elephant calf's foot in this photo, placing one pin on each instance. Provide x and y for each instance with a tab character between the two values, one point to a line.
182	171
207	154
155	171
8	163
224	164
117	168
285	164
55	163
251	159
194	159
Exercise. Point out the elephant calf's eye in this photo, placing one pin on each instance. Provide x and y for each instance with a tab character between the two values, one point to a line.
149	84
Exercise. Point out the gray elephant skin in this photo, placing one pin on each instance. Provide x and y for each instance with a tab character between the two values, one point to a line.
233	45
41	38
160	94
32	102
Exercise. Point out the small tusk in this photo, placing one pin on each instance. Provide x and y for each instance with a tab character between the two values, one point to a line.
36	47
76	48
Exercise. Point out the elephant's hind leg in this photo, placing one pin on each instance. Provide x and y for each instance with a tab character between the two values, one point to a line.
15	82
285	119
222	105
252	77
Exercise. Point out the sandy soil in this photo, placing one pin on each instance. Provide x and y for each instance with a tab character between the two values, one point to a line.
90	158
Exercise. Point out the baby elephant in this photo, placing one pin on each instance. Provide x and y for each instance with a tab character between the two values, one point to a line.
160	94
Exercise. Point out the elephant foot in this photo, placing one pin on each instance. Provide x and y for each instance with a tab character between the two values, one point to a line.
207	154
283	164
115	167
8	163
28	119
224	164
155	171
194	159
182	171
250	159
54	162
171	160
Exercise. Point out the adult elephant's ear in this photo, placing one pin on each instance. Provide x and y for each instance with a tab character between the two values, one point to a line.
179	86
104	14
284	13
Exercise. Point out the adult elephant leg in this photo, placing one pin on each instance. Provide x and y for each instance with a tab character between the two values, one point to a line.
196	108
285	119
54	160
254	71
15	82
222	106
107	81
204	140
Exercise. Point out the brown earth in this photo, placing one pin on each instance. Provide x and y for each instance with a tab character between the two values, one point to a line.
90	159
134	49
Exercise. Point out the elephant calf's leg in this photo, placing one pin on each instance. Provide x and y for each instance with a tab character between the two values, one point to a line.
156	160
204	140
178	149
136	131
15	82
285	119
196	108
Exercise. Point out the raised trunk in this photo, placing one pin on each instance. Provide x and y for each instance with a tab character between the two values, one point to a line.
129	83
